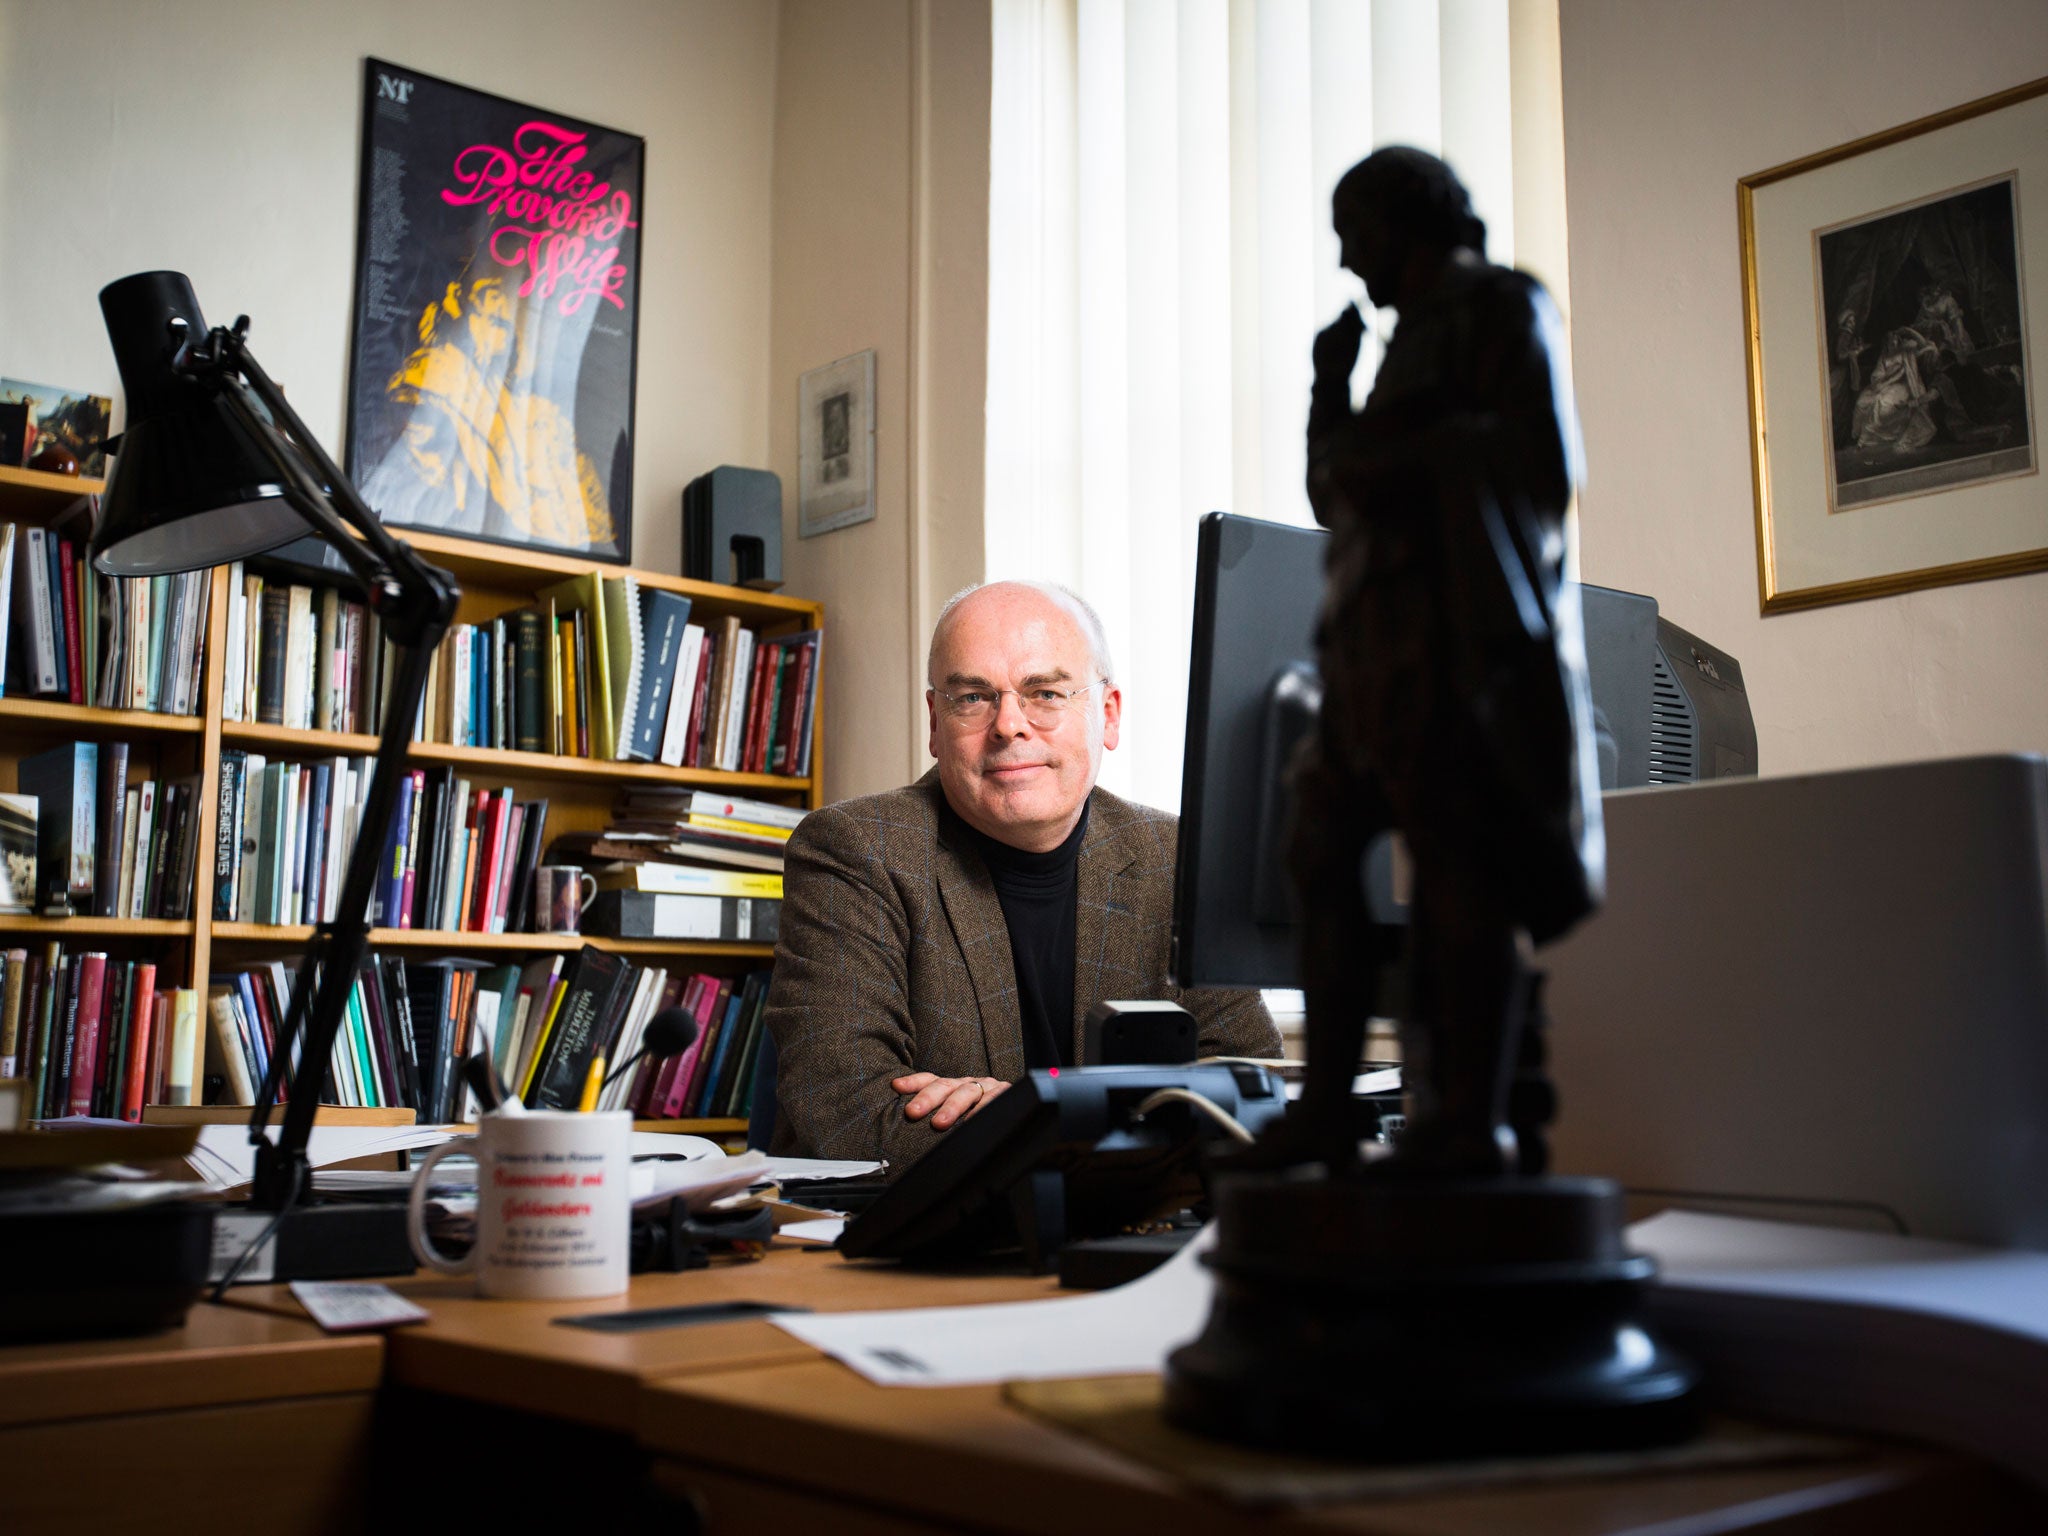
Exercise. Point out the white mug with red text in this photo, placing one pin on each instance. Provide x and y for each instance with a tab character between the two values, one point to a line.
553	1205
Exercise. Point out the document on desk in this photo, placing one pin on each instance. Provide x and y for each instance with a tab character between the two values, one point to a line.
1862	1330
1119	1332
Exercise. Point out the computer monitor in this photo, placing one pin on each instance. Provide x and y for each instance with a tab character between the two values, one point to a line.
1668	709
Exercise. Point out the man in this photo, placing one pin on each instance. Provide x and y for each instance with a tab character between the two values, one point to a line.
938	941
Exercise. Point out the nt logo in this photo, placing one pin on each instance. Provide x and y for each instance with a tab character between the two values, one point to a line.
389	89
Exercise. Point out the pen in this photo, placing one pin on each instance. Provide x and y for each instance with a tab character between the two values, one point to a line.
592	1082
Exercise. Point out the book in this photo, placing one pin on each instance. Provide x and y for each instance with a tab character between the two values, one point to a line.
11	1039
589	988
64	780
18	823
591	656
626	646
623	914
667	879
665	618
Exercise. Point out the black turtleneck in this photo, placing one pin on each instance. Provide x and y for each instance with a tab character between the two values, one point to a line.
1037	893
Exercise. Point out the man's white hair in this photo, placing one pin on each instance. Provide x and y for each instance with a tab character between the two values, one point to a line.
1076	607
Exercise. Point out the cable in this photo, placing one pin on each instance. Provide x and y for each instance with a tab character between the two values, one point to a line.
250	1252
1206	1105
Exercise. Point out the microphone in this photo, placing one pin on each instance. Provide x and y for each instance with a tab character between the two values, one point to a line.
669	1033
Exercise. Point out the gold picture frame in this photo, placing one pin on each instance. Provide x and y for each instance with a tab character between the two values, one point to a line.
1885	291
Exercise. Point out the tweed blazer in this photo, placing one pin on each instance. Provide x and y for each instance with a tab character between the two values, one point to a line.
894	958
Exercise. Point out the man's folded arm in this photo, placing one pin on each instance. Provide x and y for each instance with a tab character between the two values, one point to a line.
1231	1022
839	1005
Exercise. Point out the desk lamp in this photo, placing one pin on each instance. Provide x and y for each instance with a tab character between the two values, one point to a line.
216	466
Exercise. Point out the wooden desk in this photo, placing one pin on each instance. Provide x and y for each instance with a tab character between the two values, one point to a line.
250	1412
772	1444
514	1353
236	1420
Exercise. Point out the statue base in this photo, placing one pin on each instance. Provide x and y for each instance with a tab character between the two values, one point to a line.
1393	1316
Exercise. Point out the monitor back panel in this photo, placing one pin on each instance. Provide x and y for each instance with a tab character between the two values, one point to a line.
1827	988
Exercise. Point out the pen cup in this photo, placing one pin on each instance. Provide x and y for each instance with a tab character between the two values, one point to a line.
553	1205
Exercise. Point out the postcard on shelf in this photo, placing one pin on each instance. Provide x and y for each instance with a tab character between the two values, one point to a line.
73	419
17	853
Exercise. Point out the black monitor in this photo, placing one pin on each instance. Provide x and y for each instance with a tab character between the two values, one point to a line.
1667	708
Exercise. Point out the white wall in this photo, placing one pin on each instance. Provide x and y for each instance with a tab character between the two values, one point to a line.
220	138
881	240
1666	104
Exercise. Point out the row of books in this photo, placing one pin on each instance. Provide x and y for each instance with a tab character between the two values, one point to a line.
412	1024
599	667
600	1004
308	657
93	1035
102	847
67	632
457	857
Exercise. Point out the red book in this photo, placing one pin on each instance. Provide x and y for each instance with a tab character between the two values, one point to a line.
793	743
710	1009
67	572
491	855
92	976
159	1048
515	828
700	703
764	708
135	1081
787	726
662	1080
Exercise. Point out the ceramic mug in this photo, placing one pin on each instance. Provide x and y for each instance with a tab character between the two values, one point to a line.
553	1205
560	893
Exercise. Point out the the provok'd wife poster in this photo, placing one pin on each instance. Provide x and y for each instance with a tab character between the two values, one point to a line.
496	317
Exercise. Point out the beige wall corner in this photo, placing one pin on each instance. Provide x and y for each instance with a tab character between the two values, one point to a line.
881	241
1666	104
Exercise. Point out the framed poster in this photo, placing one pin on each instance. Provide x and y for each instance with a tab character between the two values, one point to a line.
496	317
1887	286
835	457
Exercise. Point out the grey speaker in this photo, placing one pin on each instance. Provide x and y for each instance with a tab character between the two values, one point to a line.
732	527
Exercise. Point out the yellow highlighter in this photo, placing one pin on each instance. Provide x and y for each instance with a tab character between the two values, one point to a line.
591	1086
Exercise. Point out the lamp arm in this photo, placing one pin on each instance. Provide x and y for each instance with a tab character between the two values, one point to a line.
415	603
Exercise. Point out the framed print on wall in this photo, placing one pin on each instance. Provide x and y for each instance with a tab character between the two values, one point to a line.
835	445
1887	286
496	321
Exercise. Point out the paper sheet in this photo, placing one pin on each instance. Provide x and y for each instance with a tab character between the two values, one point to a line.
1108	1333
819	1229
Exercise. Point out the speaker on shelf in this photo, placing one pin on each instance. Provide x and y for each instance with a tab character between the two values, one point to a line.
732	527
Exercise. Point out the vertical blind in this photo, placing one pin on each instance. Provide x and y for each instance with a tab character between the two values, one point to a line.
1160	259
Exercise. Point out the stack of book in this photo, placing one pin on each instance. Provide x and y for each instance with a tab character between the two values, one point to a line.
105	847
686	864
69	633
457	857
93	1035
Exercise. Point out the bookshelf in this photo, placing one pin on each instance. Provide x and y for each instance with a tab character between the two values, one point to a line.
496	580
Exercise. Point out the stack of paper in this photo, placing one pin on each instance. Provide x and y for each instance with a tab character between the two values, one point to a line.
1859	1330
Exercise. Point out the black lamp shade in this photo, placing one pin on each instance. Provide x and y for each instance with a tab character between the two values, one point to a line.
194	481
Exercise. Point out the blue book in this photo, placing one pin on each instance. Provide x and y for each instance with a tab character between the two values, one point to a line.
316	843
390	887
700	1095
663	615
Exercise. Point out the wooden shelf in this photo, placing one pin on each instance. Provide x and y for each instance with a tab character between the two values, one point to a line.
693	1127
500	565
518	943
54	715
238	1114
95	927
32	492
530	765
